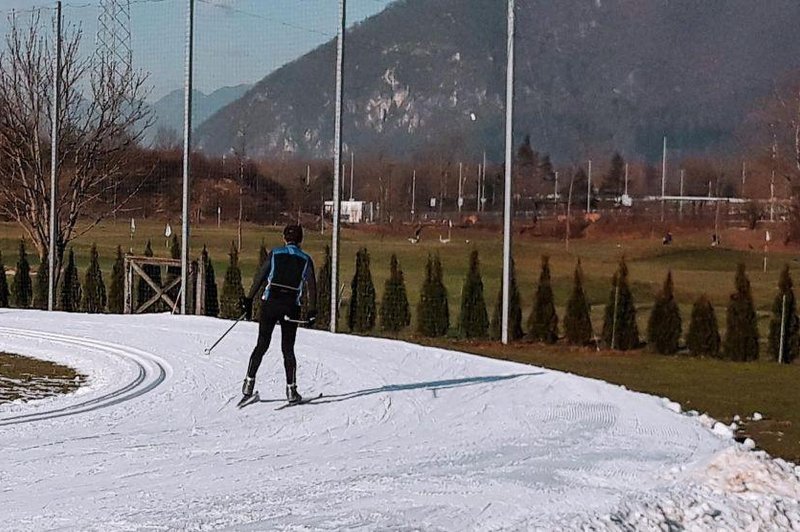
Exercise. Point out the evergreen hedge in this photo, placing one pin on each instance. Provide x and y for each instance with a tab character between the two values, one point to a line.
212	301
232	289
703	338
784	318
620	330
263	256
116	291
173	272
324	292
514	311
21	286
94	289
433	313
41	288
362	300
4	292
69	298
741	335
664	325
473	321
543	321
395	311
578	321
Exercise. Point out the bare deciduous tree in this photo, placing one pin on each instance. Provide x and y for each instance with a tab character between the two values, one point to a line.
102	118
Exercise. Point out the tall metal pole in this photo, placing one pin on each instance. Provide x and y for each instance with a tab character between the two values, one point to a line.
460	186
626	179
337	165
508	173
413	194
589	189
663	177
187	149
680	207
352	165
51	251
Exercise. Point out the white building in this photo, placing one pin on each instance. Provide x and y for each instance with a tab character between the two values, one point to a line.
354	212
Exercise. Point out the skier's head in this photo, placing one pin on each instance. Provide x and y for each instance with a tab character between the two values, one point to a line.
293	234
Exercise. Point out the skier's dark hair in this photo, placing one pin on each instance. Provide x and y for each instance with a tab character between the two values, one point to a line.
293	234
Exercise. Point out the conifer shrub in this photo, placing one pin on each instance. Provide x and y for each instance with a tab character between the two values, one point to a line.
664	325
514	311
94	289
69	297
433	313
395	312
362	300
263	256
144	292
41	288
620	330
473	321
173	272
116	291
703	338
324	292
21	286
211	298
232	289
4	292
784	327
741	335
577	321
543	321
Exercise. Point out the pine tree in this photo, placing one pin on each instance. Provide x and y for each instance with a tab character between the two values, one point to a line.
324	292
41	289
21	286
94	289
144	291
514	311
263	256
232	289
4	293
577	321
741	335
212	301
664	325
173	272
473	322
619	328
433	313
116	292
362	300
395	312
615	179
703	336
784	309
69	298
543	321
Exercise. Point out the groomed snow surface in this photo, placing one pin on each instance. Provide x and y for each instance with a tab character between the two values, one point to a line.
405	438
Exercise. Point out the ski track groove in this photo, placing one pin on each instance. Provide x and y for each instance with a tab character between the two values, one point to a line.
106	400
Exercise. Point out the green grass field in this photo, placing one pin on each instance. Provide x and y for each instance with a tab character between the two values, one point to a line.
723	389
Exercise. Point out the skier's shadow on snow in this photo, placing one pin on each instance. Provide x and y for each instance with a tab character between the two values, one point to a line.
433	386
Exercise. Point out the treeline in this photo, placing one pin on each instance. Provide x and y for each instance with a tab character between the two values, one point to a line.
665	333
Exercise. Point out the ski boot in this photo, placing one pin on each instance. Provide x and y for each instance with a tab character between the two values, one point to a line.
291	394
248	396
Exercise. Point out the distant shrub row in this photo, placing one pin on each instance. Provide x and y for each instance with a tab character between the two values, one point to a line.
619	332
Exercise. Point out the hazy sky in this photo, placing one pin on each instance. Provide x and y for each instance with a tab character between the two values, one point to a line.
236	41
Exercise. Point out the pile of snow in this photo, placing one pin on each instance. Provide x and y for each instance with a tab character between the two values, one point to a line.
405	437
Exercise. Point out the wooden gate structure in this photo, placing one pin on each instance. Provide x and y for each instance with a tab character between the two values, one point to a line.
134	268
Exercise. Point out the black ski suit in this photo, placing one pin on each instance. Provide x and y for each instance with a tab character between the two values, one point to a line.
285	272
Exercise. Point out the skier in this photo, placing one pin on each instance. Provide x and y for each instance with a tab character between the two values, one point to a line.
285	272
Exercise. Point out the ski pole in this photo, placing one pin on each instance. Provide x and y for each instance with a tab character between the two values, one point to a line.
240	318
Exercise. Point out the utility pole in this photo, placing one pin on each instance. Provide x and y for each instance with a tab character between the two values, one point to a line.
413	194
352	165
337	165
744	176
680	205
508	172
589	189
663	177
51	251
478	193
626	179
460	186
187	150
555	194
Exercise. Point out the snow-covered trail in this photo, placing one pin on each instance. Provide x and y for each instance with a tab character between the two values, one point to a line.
406	437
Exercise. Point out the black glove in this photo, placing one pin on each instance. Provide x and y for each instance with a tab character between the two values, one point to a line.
311	316
246	304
